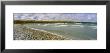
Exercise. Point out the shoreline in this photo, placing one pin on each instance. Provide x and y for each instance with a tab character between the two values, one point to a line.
25	33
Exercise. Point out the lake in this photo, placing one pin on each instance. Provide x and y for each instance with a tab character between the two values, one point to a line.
75	31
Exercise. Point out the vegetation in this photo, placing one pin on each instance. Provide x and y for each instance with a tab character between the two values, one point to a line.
36	21
42	21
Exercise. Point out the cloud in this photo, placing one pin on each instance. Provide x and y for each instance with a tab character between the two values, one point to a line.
83	17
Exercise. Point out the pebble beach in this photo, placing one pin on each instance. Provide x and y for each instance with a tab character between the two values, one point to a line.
22	32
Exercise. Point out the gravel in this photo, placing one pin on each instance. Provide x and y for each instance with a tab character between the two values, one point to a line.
22	32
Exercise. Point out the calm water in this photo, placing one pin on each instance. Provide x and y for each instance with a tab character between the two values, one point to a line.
76	31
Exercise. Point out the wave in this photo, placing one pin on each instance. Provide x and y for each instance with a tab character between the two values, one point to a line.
93	27
77	25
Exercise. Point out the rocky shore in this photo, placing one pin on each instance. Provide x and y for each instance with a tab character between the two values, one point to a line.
22	32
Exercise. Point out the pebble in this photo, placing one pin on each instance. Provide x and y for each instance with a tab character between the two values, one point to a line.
22	32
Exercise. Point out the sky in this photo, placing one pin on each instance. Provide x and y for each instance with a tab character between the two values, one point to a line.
80	17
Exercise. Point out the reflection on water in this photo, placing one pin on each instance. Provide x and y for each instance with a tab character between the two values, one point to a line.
76	31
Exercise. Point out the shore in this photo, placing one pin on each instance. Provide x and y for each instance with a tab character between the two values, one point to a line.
22	32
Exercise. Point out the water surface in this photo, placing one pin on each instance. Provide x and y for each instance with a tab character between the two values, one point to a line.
75	31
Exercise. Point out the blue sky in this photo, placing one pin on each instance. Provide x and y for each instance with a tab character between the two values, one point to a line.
82	17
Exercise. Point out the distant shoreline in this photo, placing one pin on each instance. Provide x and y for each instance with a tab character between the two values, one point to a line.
57	21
